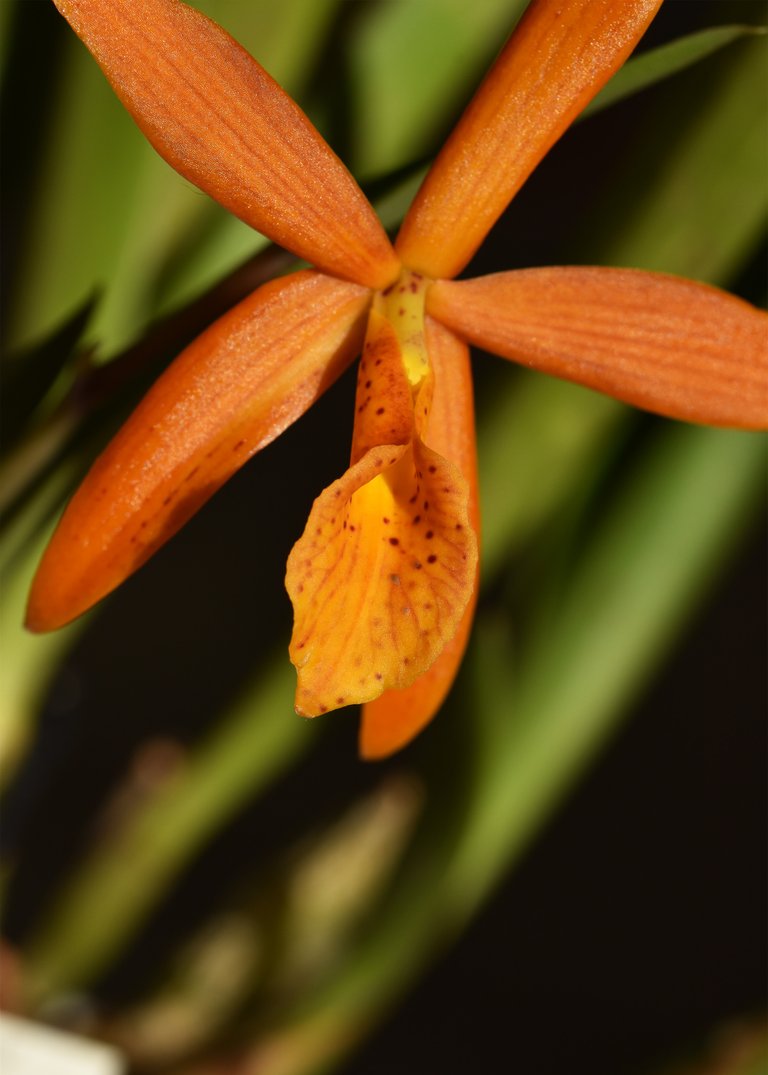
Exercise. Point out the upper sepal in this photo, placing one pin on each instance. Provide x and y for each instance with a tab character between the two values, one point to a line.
219	119
555	62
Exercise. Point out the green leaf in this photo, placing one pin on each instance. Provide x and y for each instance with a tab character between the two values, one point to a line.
28	378
651	67
694	200
29	661
411	66
648	563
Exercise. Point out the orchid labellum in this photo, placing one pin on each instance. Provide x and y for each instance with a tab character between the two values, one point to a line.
383	579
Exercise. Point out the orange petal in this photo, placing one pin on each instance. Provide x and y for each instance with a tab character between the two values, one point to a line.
231	392
669	345
560	55
393	719
380	578
219	119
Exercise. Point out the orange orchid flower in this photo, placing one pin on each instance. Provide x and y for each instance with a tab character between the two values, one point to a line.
383	580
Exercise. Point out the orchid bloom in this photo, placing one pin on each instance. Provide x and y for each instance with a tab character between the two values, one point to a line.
383	580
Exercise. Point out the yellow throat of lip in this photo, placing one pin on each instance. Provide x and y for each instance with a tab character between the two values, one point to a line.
402	304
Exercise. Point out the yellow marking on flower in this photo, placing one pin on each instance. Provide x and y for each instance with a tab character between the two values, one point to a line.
402	304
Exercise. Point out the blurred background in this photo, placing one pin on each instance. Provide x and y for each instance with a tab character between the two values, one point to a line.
566	871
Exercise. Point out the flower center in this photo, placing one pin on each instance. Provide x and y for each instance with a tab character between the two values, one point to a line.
402	304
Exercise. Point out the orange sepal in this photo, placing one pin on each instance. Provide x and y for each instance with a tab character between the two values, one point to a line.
219	119
679	348
557	59
392	720
231	392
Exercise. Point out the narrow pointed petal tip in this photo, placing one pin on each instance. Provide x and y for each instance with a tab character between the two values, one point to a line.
233	390
218	118
558	58
679	348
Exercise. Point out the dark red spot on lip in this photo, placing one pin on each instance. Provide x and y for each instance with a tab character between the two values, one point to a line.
379	675
191	474
323	708
432	469
340	700
429	535
368	384
168	499
426	505
379	410
416	520
432	559
238	446
385	520
394	541
417	565
459	526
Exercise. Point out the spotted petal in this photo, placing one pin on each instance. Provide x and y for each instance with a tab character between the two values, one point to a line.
219	119
233	390
385	569
557	59
392	720
669	345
